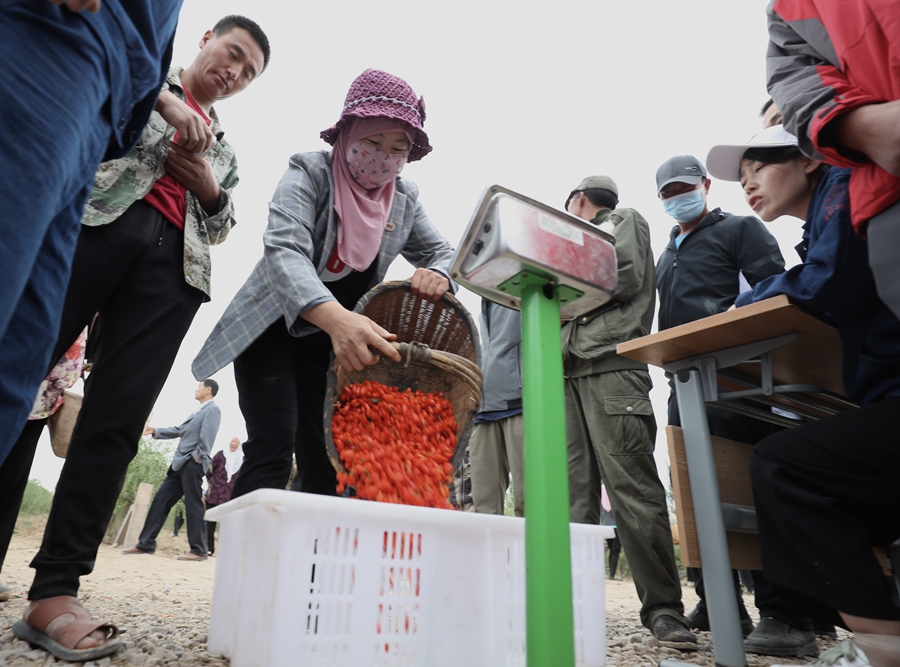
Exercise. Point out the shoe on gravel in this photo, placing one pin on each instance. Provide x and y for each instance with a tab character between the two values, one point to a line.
672	634
699	620
772	637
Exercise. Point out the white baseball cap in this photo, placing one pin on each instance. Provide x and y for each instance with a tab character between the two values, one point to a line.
724	160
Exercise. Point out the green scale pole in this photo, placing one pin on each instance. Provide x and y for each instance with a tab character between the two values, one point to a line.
548	564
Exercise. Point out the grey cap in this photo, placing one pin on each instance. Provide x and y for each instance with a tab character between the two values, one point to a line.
680	169
598	182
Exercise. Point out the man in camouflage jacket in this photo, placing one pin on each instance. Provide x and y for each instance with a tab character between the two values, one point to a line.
142	264
610	428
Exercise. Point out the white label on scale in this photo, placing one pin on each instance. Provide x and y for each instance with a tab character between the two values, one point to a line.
560	229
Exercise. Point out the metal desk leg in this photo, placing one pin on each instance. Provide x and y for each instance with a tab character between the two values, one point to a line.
728	643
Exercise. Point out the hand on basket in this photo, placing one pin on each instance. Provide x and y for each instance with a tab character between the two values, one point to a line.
429	284
352	335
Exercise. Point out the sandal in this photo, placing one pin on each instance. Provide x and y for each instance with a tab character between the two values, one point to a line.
81	627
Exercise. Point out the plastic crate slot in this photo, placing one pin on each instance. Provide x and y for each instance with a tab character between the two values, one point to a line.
395	654
332	654
312	619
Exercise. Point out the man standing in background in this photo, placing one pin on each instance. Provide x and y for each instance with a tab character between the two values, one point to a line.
185	475
496	447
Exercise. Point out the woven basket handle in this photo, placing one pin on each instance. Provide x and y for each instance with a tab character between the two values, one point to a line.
414	351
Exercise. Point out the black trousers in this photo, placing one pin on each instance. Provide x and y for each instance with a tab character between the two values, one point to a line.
186	482
14	479
211	532
826	492
131	272
615	548
281	383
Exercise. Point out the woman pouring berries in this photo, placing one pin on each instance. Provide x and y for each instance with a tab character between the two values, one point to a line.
336	222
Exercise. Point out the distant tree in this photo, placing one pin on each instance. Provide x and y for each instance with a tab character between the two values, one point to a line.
37	499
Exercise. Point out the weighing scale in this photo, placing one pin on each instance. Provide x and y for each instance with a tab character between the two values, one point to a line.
552	266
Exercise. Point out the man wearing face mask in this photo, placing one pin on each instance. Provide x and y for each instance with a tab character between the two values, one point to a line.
698	275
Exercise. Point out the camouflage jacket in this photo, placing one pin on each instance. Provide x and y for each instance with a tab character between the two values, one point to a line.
120	183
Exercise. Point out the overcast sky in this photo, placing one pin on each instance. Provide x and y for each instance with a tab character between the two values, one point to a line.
533	98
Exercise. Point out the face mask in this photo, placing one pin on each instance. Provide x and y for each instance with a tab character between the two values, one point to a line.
685	207
372	168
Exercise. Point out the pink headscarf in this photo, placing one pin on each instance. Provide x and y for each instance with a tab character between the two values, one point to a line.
362	214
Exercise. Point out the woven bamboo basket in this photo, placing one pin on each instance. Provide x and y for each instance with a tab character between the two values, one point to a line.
439	349
62	423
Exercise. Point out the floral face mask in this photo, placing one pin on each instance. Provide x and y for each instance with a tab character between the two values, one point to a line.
371	167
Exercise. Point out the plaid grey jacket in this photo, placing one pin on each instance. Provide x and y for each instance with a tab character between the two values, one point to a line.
298	241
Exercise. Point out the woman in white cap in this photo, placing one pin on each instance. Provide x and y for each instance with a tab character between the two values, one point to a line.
336	222
827	491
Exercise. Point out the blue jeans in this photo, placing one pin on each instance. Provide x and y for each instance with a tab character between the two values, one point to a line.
53	134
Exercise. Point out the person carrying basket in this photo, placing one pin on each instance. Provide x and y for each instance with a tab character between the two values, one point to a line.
336	222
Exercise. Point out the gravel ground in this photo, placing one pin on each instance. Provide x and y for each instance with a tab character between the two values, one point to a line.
162	606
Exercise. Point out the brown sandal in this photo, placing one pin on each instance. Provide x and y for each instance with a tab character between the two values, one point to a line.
34	630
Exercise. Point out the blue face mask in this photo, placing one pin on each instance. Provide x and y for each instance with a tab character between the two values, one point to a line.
685	207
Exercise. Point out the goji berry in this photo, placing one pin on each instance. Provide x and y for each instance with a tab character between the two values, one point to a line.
396	446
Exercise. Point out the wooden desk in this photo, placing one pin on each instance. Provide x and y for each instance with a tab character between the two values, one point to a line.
771	354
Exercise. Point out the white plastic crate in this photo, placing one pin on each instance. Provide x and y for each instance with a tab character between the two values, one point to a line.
306	580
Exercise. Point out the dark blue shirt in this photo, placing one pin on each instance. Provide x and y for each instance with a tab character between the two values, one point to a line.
137	36
835	279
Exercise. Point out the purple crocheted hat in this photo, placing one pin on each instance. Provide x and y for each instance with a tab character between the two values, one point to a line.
375	93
